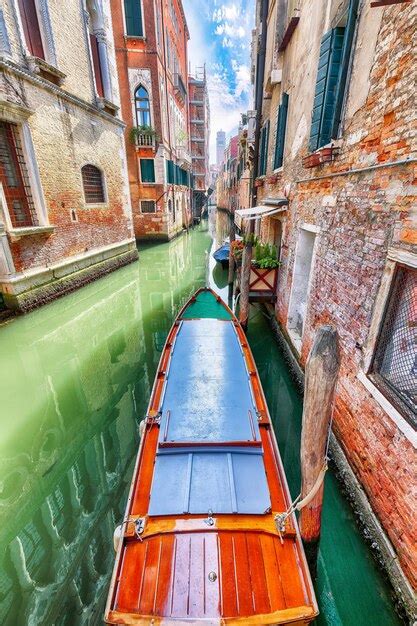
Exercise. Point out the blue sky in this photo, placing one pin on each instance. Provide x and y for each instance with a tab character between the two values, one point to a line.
221	36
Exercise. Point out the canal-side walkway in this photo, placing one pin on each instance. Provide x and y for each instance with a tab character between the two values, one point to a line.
75	379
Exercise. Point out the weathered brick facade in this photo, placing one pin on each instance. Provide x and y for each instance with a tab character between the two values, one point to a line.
62	124
360	225
156	61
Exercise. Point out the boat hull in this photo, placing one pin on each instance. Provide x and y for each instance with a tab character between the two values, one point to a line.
200	543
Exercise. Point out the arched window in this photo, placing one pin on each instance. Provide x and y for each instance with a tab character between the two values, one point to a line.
142	108
93	184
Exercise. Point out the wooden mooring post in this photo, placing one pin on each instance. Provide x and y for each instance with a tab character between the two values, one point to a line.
231	275
320	380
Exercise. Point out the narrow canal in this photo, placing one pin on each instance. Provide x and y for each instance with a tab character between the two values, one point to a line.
75	379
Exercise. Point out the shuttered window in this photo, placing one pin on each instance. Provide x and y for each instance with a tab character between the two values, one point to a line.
344	64
325	93
14	178
147	170
148	206
93	185
96	65
133	16
263	149
177	175
170	172
280	134
31	29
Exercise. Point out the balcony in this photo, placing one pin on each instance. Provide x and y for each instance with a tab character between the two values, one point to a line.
179	87
183	156
143	137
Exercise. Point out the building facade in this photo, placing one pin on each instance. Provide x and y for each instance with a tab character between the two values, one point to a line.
199	137
337	139
65	215
220	147
227	180
151	52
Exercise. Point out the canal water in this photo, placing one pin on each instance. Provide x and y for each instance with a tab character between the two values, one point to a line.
75	379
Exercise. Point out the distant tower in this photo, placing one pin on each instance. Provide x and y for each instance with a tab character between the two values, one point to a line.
220	146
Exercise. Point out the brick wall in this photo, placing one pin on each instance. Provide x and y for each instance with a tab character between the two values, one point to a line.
358	217
67	129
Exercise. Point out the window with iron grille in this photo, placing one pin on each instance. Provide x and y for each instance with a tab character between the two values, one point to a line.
394	367
148	206
15	179
93	185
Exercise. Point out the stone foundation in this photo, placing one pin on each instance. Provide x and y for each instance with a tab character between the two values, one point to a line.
25	293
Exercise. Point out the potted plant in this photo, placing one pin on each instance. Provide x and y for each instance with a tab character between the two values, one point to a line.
264	270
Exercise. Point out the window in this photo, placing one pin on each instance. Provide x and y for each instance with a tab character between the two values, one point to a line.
300	284
263	149
133	17
394	366
147	170
334	59
142	107
31	28
14	178
93	185
148	206
280	133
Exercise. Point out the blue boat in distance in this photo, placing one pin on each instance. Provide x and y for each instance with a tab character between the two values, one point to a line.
221	255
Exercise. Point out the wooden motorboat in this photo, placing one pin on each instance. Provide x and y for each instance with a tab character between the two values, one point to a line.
221	255
200	543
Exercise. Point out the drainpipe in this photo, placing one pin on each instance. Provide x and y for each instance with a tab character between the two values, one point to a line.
259	91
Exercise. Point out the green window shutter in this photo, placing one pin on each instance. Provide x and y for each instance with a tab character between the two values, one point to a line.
170	172
281	128
147	170
133	16
261	151
327	77
344	64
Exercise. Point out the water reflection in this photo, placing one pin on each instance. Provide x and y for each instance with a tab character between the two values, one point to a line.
76	377
75	380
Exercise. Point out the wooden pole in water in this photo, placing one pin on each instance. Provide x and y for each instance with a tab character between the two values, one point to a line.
320	380
231	275
244	305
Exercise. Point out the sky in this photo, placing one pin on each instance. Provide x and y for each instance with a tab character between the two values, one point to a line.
220	34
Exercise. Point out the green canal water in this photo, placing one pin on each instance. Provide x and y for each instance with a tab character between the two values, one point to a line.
75	378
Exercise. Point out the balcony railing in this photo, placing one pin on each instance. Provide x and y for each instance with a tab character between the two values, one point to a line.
143	137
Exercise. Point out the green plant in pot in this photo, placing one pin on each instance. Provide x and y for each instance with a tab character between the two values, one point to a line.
265	256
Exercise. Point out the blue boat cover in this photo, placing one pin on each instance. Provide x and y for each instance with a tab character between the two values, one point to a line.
208	395
222	253
207	400
220	481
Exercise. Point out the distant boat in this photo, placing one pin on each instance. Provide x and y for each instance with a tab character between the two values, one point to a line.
221	255
200	543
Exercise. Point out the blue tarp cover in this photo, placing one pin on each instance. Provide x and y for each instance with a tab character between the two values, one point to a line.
207	400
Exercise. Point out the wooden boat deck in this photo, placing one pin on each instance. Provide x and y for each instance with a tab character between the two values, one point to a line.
200	544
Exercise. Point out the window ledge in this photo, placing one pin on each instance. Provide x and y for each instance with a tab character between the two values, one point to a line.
325	154
45	69
107	106
391	411
27	231
96	205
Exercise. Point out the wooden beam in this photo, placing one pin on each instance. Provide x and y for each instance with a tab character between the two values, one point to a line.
292	24
385	3
320	380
